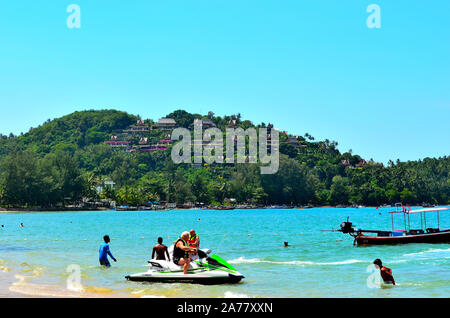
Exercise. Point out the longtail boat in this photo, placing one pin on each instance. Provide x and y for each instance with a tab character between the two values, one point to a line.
225	207
407	235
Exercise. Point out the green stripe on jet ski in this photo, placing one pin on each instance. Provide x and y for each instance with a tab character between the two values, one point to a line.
189	270
201	270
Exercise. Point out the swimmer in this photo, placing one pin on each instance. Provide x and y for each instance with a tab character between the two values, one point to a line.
386	273
104	252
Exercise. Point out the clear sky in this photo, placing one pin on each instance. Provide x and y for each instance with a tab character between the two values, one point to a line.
307	66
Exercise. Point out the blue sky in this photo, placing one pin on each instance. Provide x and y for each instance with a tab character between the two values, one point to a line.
306	66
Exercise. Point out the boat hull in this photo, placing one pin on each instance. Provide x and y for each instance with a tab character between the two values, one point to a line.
439	237
213	279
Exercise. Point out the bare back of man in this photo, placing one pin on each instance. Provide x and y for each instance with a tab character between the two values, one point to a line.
161	251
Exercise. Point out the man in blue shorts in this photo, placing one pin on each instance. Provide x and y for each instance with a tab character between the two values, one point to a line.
104	252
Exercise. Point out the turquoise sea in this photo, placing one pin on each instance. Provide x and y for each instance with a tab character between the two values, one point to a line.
35	259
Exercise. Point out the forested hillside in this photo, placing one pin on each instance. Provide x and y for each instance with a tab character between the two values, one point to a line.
66	159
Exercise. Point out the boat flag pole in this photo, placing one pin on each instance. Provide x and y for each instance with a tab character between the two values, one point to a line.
438	218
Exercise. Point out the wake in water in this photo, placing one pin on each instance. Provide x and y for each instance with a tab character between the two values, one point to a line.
242	260
431	250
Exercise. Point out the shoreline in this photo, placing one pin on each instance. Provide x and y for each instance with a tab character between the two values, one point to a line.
17	210
23	210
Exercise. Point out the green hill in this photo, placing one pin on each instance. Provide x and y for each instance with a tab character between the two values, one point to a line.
65	159
76	130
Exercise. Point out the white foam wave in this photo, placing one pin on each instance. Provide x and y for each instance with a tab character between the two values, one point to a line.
4	269
229	294
431	250
398	261
242	260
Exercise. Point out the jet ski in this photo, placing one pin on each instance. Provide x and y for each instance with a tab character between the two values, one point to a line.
206	268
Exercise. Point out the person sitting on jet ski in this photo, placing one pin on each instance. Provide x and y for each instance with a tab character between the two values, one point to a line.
181	252
160	250
194	239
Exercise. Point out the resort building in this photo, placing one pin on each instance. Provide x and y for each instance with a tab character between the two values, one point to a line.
102	184
165	123
114	142
361	163
293	141
232	123
206	123
139	127
164	142
144	146
143	141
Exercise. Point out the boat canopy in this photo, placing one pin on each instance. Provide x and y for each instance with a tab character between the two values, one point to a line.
421	210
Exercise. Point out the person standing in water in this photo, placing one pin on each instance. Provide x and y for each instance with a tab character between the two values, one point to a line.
104	252
160	250
386	273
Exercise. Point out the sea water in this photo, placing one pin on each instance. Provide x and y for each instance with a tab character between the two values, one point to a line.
56	251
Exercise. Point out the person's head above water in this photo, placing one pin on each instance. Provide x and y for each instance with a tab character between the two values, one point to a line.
378	262
192	232
106	239
160	240
185	235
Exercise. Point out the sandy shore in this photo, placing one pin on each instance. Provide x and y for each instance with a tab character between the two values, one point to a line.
16	286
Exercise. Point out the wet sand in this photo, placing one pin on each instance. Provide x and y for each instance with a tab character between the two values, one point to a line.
16	286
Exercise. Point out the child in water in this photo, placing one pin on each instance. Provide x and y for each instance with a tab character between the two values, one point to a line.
386	273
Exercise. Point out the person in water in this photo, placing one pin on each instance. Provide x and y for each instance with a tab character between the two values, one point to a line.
160	250
104	252
386	273
181	252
